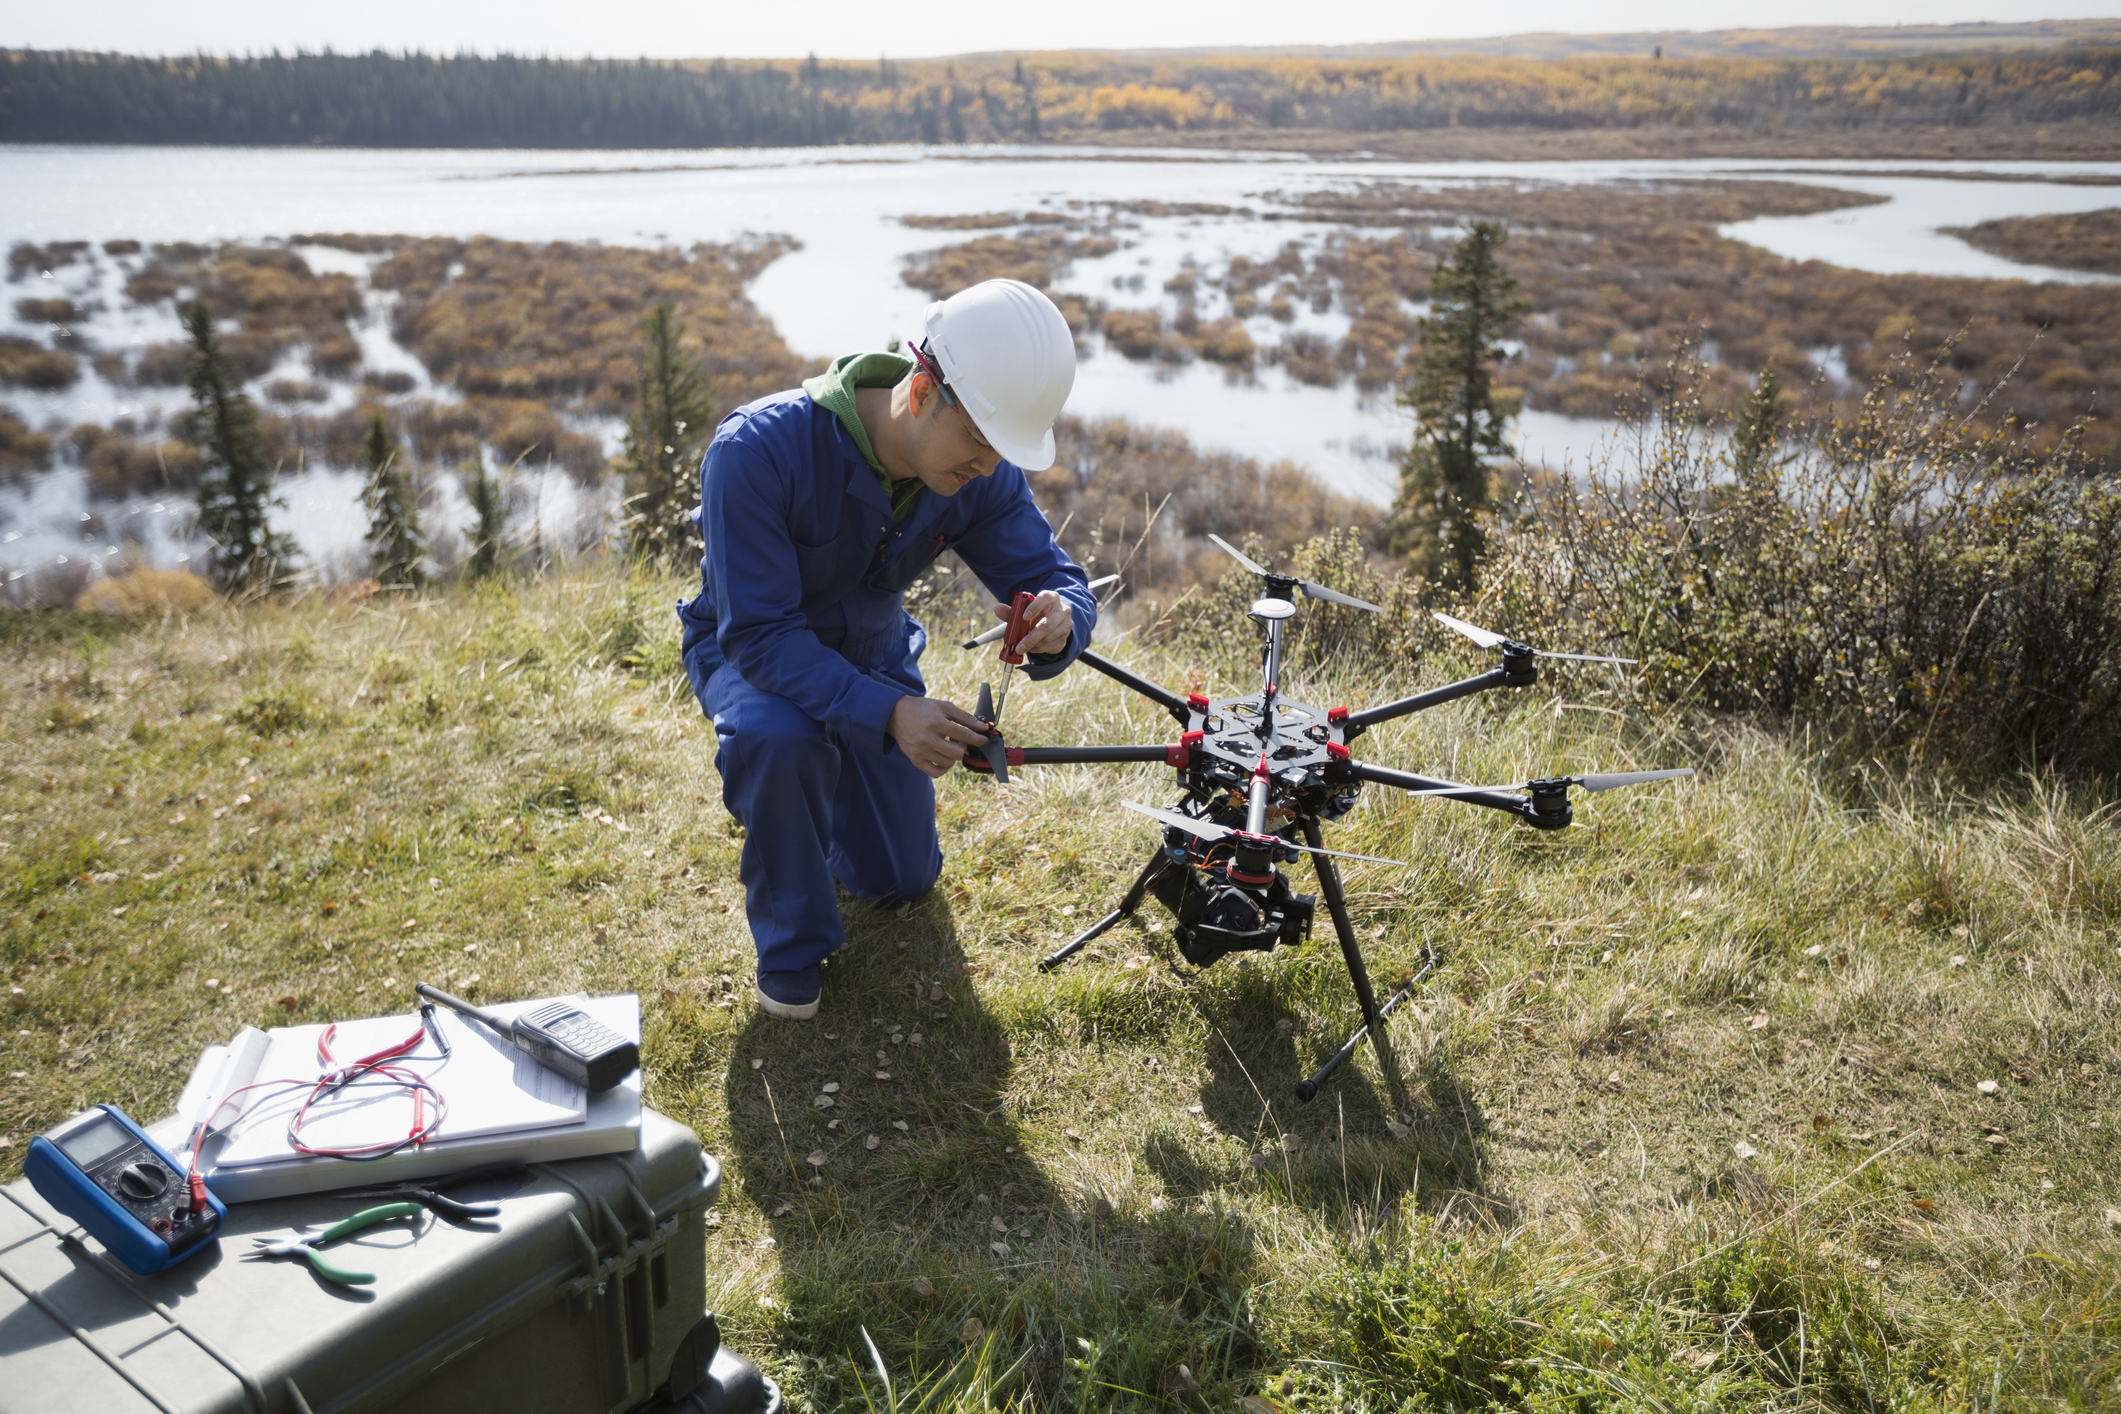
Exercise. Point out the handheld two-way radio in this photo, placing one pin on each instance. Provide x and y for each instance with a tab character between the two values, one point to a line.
101	1170
560	1037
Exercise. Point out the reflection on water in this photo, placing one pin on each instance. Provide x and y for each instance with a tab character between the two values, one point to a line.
841	290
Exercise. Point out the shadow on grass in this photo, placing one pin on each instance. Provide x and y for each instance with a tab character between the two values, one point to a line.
1337	1152
914	1062
876	1141
980	1276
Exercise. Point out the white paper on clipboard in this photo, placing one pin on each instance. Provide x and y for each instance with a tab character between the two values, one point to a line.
489	1085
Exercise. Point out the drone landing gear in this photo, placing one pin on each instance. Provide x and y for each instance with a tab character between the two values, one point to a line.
1286	918
1157	865
1373	1018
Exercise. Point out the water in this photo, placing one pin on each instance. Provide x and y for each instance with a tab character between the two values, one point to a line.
841	290
1905	236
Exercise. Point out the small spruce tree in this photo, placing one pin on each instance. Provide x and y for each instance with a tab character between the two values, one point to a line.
1758	427
244	553
1444	482
393	512
483	490
662	441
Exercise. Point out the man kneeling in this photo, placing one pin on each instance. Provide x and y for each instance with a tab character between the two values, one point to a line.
818	507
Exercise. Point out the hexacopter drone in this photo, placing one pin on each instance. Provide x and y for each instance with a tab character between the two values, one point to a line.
1258	770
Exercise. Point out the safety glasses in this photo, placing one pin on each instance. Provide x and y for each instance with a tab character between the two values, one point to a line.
934	371
929	366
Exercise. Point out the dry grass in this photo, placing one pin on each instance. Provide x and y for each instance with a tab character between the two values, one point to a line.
316	803
2087	240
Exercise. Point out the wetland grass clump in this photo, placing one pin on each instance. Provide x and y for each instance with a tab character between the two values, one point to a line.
2081	240
560	322
277	301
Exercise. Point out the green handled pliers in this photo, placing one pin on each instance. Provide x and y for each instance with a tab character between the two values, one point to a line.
320	1262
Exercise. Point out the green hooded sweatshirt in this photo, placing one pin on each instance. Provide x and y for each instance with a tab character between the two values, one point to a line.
833	390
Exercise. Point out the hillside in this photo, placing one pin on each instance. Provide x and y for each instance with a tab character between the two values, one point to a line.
1789	42
1738	1099
381	100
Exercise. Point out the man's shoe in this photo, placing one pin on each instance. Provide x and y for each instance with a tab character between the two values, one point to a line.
792	996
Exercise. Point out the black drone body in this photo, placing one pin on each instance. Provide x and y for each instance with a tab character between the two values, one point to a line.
1261	770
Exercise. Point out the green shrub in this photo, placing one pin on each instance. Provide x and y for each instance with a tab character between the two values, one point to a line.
1894	583
272	711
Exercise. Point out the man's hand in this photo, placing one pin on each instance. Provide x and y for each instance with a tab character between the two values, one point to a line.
933	733
1052	623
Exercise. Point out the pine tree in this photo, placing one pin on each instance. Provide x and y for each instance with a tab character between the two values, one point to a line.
1444	483
483	491
393	513
661	439
1758	426
244	553
1030	87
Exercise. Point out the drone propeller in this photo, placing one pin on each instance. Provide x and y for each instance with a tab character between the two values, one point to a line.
1487	638
1001	628
1595	781
1315	591
993	749
1211	832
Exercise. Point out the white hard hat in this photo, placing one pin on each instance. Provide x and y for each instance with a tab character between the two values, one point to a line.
1007	354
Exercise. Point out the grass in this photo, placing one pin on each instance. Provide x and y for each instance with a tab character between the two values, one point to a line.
1697	1123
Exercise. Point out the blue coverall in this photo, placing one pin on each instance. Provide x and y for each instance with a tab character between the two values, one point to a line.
798	646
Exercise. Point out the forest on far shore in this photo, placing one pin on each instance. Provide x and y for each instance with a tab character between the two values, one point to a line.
418	100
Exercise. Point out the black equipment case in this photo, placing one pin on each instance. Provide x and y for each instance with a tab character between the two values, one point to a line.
584	1296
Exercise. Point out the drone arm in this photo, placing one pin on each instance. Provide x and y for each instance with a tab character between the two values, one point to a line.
1092	755
1163	697
1407	780
975	759
1434	697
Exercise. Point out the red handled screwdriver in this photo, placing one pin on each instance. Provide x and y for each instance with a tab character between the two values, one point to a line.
1012	654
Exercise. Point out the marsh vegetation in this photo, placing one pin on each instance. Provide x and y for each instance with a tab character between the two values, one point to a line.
1621	276
2087	241
529	349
